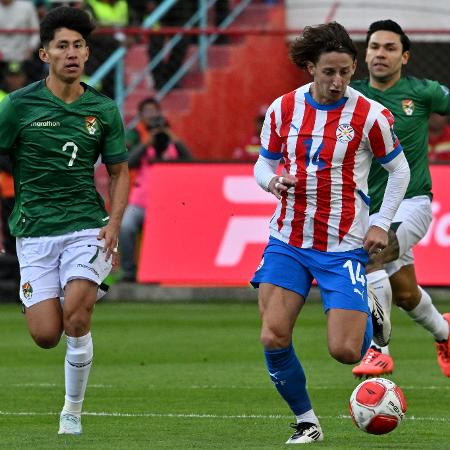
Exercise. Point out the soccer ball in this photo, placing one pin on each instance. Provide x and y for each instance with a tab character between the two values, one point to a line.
377	406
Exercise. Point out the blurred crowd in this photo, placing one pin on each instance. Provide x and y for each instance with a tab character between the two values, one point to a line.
26	14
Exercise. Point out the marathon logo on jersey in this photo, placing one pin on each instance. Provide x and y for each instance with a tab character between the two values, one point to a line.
27	290
91	124
408	107
46	123
345	133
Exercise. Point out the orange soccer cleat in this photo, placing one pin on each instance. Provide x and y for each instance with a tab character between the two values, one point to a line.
374	364
443	351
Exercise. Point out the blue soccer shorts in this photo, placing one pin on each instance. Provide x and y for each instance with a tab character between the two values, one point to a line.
341	276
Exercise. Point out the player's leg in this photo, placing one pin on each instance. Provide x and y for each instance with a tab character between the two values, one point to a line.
279	309
348	334
343	287
410	224
40	289
377	360
44	320
417	303
283	285
80	297
83	267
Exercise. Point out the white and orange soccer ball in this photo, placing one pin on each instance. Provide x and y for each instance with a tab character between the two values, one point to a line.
377	406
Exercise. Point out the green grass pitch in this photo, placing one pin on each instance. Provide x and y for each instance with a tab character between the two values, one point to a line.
192	376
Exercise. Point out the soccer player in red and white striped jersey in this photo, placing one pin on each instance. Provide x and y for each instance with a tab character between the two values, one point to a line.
325	134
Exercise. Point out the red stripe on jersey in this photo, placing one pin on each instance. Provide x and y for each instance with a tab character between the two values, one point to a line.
275	141
390	118
298	221
323	175
376	140
287	111
360	114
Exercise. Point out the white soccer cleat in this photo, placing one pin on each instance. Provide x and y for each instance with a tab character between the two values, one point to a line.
380	321
69	424
306	432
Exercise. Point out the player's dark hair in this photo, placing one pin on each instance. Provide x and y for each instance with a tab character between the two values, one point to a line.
315	40
65	17
389	25
148	101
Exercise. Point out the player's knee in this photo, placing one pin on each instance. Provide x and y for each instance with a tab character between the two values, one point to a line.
76	322
46	340
407	300
345	354
272	340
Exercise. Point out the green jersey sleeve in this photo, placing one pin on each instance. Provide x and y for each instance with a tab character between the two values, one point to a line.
9	128
114	149
132	138
439	97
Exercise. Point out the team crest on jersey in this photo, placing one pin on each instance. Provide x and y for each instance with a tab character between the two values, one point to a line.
91	124
27	290
345	133
408	107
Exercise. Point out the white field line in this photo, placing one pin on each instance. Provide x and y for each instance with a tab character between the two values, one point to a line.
203	416
210	386
47	385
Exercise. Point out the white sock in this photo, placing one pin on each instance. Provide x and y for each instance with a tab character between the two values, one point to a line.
379	280
429	317
77	367
308	416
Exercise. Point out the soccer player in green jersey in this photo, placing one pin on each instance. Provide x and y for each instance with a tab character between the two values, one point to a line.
55	130
391	273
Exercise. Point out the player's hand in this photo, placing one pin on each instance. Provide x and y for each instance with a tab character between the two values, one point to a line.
110	235
375	240
281	183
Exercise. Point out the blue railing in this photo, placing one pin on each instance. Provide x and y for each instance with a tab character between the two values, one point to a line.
201	53
116	60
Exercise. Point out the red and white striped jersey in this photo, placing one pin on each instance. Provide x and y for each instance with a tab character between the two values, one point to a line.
329	148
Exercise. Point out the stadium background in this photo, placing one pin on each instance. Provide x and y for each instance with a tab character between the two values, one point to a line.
178	364
212	109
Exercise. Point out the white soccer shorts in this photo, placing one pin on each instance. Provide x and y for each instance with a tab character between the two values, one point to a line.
415	216
48	263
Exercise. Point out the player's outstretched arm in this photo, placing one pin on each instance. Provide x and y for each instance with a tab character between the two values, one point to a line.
119	197
396	186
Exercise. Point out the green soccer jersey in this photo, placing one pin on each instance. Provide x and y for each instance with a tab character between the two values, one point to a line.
54	146
411	101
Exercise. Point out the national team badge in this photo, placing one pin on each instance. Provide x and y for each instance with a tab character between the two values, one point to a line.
408	107
27	290
91	124
345	133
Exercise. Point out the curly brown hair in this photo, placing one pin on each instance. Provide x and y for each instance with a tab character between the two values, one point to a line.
315	40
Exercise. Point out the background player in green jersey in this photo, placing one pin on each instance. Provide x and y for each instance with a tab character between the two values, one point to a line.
391	273
54	131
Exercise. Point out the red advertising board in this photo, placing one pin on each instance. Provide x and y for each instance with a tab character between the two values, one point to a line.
432	254
207	224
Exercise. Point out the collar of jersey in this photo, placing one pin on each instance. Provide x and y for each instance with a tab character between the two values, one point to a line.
328	107
52	96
